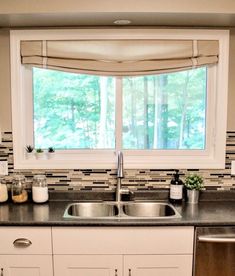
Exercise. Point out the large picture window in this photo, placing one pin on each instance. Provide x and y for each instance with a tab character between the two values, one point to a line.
77	111
172	115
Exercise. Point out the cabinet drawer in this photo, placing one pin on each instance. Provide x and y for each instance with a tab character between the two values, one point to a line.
92	265
123	240
158	265
25	240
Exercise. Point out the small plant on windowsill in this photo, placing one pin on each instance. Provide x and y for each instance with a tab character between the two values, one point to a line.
50	152
40	153
29	152
193	184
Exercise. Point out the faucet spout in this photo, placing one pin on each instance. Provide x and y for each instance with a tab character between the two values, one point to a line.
120	171
120	175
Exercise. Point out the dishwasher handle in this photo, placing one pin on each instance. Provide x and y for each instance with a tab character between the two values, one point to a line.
217	238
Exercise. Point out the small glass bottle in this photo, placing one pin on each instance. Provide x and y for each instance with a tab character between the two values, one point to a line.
40	189
18	189
3	191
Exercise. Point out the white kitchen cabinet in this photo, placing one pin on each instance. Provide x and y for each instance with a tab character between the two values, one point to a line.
26	265
114	265
25	251
39	239
123	251
96	251
154	265
88	265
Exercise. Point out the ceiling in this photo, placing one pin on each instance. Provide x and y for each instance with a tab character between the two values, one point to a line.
76	19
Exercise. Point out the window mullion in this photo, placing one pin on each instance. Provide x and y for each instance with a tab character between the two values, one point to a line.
118	132
28	106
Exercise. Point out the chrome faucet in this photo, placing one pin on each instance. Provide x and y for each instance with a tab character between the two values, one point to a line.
120	175
120	172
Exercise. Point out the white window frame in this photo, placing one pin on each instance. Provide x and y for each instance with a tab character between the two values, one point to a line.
213	157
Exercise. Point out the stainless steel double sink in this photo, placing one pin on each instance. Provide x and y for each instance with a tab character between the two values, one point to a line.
122	210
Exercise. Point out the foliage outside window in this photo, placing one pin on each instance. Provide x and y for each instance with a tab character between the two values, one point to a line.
75	111
166	111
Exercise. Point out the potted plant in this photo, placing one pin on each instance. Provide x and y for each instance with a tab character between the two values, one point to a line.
50	152
29	151
40	153
193	184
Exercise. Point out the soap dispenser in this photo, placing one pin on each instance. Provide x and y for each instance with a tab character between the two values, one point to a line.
176	188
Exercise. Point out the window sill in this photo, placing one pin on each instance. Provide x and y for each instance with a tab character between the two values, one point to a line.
140	161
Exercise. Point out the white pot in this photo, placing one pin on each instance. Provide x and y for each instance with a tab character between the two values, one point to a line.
50	155
30	155
40	155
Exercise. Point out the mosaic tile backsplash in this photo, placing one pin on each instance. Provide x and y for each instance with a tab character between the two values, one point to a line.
101	180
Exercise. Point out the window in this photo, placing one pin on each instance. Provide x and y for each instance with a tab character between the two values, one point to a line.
166	111
73	111
167	120
77	111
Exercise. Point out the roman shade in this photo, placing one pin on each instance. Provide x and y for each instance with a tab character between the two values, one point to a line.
120	57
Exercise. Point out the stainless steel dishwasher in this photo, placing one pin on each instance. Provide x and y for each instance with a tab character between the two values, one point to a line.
214	251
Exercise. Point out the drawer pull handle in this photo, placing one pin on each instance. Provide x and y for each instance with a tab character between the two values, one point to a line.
129	272
22	242
1	271
116	272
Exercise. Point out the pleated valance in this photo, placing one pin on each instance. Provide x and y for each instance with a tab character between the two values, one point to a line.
120	57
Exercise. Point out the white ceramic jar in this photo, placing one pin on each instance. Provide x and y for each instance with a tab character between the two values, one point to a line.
40	189
3	192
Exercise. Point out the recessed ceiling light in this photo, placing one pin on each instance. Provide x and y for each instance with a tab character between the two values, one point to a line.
122	22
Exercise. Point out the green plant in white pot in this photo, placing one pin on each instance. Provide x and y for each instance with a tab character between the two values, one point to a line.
50	152
193	184
29	152
40	154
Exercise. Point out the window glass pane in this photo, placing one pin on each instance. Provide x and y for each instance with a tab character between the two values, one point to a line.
73	111
166	111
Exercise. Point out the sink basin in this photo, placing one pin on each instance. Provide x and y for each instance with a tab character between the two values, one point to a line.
90	210
149	209
125	210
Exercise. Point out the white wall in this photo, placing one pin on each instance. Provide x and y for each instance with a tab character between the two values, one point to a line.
231	83
5	102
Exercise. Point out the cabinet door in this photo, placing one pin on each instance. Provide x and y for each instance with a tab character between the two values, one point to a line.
88	265
26	265
158	265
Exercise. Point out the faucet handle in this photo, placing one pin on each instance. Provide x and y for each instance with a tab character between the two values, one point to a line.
128	192
125	191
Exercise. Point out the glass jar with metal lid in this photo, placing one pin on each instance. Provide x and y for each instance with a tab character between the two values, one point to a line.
40	189
19	193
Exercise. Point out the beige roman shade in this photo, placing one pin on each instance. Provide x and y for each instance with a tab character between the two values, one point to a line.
120	57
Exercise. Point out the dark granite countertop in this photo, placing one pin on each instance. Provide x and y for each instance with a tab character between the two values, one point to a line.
207	213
